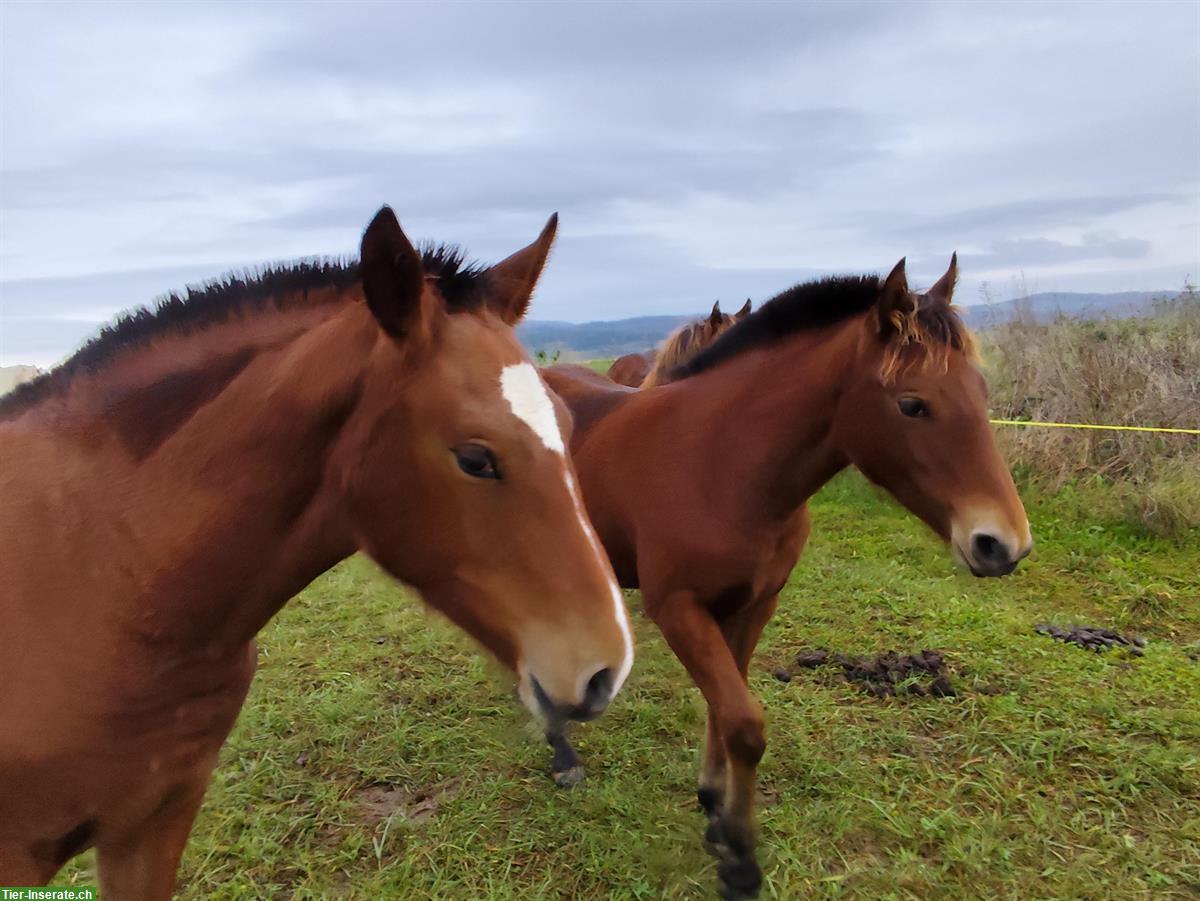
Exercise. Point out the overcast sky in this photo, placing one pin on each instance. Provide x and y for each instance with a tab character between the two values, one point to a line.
694	151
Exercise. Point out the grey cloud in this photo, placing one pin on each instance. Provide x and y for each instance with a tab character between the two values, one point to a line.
793	149
1041	212
95	298
610	277
743	152
43	341
551	42
1031	252
678	140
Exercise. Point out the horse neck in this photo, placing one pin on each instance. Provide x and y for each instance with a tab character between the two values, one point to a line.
769	414
676	349
657	374
658	369
232	511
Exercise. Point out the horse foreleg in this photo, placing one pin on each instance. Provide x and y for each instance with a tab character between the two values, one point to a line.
21	866
566	768
742	632
710	788
717	783
141	864
699	644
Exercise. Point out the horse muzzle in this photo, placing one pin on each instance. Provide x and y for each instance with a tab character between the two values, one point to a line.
597	694
987	554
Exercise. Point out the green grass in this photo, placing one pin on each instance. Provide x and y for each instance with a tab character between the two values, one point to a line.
1057	773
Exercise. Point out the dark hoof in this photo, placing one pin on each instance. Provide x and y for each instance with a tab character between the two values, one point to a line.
569	778
714	841
739	879
709	798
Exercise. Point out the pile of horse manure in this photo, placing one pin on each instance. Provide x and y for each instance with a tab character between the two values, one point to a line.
812	658
1093	638
887	674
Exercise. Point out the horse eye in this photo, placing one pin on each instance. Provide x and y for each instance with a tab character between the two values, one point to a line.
476	460
913	406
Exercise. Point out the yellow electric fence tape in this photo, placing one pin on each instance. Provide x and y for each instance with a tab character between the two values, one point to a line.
1084	425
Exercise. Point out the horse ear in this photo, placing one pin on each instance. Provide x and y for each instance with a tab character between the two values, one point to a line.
746	310
393	280
714	318
943	289
513	279
895	302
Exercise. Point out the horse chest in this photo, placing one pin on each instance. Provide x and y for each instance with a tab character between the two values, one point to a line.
132	721
186	705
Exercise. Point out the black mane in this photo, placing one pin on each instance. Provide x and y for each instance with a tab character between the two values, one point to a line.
808	305
462	284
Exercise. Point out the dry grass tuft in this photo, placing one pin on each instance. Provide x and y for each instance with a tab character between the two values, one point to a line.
1113	371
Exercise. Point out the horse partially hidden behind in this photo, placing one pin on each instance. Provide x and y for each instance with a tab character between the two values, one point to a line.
170	487
654	367
843	371
631	370
685	343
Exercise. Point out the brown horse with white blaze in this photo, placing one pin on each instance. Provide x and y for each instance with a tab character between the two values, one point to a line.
698	489
169	488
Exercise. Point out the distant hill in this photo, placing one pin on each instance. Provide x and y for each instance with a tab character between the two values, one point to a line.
1052	304
594	340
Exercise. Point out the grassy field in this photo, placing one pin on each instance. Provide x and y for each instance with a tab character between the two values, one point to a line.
380	756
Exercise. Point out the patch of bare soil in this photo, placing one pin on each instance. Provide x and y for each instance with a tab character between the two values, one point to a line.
376	803
767	795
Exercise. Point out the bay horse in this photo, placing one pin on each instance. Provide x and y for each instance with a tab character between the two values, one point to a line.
631	370
698	489
653	367
684	343
168	489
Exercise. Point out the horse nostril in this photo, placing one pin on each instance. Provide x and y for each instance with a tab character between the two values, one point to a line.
599	691
988	549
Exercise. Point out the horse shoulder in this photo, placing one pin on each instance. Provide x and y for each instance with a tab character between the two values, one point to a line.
589	396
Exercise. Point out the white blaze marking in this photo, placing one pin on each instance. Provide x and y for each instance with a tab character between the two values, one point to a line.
526	394
613	587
